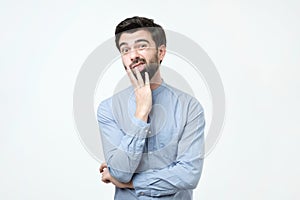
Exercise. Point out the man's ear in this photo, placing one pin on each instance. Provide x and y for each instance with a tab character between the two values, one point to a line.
161	52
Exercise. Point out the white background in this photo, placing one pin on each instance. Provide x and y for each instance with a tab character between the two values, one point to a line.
255	46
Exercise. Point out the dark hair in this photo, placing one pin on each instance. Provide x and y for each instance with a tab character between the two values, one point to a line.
136	23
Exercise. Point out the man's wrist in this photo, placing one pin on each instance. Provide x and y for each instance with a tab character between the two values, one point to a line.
143	117
130	185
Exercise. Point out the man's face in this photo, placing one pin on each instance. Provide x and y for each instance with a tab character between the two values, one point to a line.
139	50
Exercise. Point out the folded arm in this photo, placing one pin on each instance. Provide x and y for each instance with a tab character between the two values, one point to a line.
123	151
185	172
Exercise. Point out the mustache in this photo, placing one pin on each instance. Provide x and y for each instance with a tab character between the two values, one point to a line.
137	60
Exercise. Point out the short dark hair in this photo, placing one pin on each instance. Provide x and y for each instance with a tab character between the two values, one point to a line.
133	24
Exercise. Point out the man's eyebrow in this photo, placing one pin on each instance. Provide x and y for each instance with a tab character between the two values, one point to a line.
123	43
142	40
137	41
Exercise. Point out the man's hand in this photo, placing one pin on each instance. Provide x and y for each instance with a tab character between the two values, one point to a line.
102	166
143	94
107	178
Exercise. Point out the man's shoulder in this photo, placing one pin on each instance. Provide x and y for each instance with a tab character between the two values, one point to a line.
186	101
182	95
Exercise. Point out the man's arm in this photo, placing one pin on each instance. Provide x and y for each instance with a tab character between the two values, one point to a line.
185	172
107	178
122	151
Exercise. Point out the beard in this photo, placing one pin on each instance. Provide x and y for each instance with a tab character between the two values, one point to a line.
151	68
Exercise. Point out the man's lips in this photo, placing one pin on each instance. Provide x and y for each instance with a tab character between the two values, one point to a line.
139	65
137	62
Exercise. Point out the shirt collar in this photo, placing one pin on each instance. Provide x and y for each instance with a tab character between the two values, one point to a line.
160	88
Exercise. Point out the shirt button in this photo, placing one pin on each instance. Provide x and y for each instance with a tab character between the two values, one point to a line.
142	193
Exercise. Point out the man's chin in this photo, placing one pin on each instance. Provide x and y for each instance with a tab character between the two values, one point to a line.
151	72
141	67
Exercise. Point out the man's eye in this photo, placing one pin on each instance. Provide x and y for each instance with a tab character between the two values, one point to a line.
142	46
124	50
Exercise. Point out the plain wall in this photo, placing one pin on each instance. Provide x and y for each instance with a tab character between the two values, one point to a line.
254	44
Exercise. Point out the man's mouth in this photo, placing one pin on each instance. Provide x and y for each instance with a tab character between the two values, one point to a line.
140	64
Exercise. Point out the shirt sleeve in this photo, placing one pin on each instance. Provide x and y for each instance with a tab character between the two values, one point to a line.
122	151
185	172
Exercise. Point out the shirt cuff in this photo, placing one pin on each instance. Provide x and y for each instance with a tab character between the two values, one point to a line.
140	123
139	128
140	183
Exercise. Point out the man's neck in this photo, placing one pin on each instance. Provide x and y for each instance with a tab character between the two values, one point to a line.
156	81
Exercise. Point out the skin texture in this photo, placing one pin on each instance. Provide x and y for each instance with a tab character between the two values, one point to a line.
141	59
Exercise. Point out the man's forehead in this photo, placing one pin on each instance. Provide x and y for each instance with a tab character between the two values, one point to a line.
130	38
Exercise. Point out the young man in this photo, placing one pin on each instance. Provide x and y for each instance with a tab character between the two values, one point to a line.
152	133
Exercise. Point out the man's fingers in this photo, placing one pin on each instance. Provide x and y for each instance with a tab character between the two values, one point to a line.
105	176
139	77
132	78
105	180
102	166
147	81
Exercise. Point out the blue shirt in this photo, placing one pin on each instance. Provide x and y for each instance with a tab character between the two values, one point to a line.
163	157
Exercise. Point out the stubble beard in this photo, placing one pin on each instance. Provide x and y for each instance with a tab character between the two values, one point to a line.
151	68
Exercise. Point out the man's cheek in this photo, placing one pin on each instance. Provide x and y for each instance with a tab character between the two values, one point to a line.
125	66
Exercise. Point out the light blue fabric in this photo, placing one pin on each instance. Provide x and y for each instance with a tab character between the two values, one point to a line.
163	157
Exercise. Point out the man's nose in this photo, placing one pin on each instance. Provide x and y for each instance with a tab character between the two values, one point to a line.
134	54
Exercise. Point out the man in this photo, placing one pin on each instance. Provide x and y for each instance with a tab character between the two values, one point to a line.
152	133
